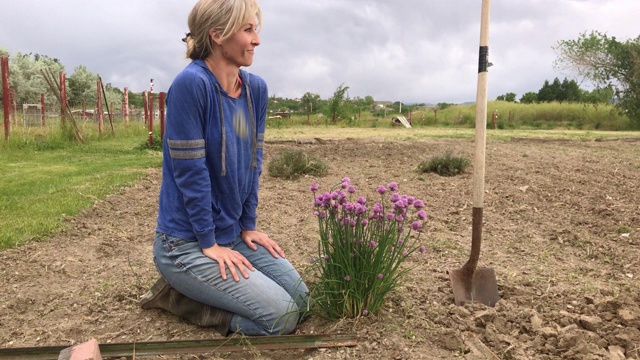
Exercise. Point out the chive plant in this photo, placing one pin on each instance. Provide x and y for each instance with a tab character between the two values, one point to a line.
362	247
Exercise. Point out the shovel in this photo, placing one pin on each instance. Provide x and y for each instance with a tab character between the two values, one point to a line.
470	283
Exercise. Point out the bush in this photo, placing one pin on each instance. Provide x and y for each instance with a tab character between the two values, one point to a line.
445	164
293	163
156	143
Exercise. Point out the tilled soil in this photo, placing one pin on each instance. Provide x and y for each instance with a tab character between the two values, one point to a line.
561	229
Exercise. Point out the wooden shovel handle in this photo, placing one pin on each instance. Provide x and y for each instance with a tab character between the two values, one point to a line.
481	108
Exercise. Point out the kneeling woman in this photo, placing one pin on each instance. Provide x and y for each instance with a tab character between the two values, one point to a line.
217	268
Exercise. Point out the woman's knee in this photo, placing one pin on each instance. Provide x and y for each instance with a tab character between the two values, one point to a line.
285	322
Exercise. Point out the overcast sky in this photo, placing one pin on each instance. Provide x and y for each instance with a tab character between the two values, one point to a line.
403	50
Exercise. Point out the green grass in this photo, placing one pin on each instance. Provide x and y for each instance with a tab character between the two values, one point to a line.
44	179
510	116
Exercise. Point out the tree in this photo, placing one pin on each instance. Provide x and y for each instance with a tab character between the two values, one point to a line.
335	107
570	91
529	98
114	96
27	80
598	95
606	62
82	85
310	102
509	97
550	92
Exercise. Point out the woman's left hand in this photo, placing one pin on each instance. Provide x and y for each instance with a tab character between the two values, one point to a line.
253	237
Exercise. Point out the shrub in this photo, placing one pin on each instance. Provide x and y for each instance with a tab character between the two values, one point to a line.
293	163
155	146
445	164
360	251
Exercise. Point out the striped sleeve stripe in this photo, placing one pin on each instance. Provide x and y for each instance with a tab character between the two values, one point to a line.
185	144
197	154
260	144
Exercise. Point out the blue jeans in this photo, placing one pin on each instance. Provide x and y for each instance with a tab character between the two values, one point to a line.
270	302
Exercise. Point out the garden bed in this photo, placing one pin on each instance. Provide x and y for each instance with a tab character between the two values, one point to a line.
561	229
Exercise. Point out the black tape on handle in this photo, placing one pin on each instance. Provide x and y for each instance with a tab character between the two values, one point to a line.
483	60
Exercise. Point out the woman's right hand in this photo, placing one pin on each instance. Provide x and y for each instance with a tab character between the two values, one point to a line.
229	258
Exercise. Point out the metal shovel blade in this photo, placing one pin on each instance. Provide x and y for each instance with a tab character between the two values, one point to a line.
479	285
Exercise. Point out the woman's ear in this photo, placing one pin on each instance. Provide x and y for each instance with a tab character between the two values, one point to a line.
215	37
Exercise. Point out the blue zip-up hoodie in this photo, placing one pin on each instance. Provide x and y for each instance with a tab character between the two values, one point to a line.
212	161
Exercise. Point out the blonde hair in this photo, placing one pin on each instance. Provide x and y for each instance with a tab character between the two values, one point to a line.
225	16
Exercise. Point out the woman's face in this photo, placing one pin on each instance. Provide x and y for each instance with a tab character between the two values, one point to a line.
238	48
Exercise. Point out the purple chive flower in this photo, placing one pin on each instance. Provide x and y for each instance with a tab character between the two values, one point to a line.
347	278
372	244
364	222
377	208
326	199
316	213
322	215
393	186
349	208
335	195
346	180
399	218
399	205
351	189
416	225
390	216
380	276
362	200
418	204
400	241
423	249
365	312
405	253
394	198
359	209
422	215
326	257
382	190
352	223
313	187
410	200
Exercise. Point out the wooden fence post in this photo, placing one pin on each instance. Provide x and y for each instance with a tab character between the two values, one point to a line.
146	107
63	97
42	112
14	108
162	108
83	117
126	105
151	119
4	65
99	106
